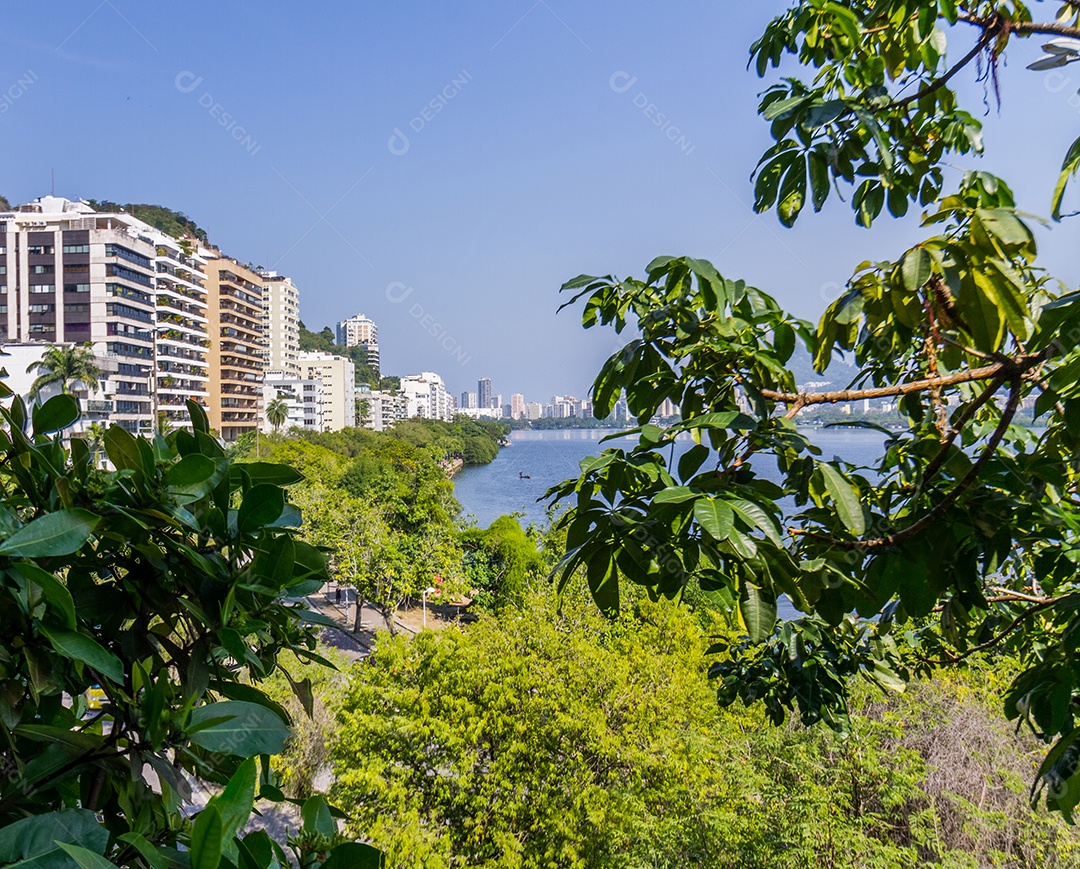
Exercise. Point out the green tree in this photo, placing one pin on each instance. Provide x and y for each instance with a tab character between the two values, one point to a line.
548	736
277	413
4	204
962	536
65	366
168	587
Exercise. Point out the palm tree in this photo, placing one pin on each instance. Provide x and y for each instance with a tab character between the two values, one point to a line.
95	439
65	365
277	412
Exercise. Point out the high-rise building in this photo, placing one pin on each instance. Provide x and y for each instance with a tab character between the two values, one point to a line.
360	331
468	400
71	275
235	296
483	392
534	410
181	335
426	396
280	323
337	376
517	405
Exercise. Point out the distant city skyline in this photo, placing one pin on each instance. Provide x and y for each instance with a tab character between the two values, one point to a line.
445	169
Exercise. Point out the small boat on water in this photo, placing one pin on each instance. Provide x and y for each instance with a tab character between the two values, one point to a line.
523	476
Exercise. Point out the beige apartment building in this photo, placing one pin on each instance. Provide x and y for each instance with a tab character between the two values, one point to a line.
337	375
235	321
281	324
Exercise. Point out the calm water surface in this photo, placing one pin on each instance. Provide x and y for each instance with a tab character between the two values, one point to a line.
549	457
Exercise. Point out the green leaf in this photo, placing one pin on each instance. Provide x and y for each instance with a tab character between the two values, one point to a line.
674	495
792	192
207	839
267	472
239	728
123	450
317	818
147	851
55	592
715	517
1068	169
235	801
262	505
603	580
846	499
915	269
85	858
56	414
190	472
59	533
86	650
354	855
39	834
758	611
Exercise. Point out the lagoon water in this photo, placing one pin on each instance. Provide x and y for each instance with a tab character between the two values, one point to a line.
549	457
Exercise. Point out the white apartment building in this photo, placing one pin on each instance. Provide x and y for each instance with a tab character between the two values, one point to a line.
337	377
281	324
359	330
303	398
517	405
181	336
383	409
426	396
69	275
533	410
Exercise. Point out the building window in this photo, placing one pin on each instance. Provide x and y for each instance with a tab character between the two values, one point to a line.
41	309
76	309
42	327
129	255
76	327
42	270
43	288
76	248
3	270
76	288
40	249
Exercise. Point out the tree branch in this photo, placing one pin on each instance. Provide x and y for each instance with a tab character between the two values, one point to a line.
954	494
993	641
1001	369
990	32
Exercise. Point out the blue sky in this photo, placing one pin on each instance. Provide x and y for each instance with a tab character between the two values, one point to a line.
541	158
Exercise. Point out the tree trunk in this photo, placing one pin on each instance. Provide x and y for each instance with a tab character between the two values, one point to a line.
359	613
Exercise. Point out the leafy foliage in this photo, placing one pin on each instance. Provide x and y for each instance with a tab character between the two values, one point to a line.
326	342
131	602
962	536
64	366
880	114
540	737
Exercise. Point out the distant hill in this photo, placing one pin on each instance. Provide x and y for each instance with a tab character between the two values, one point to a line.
839	373
175	223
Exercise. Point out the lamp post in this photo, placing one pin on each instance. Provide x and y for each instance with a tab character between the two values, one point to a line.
423	598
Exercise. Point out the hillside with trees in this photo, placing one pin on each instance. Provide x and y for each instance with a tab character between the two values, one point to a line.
326	342
174	223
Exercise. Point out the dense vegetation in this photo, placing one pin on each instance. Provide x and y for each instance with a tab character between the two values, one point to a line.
326	342
167	589
962	535
381	504
4	204
174	223
543	736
